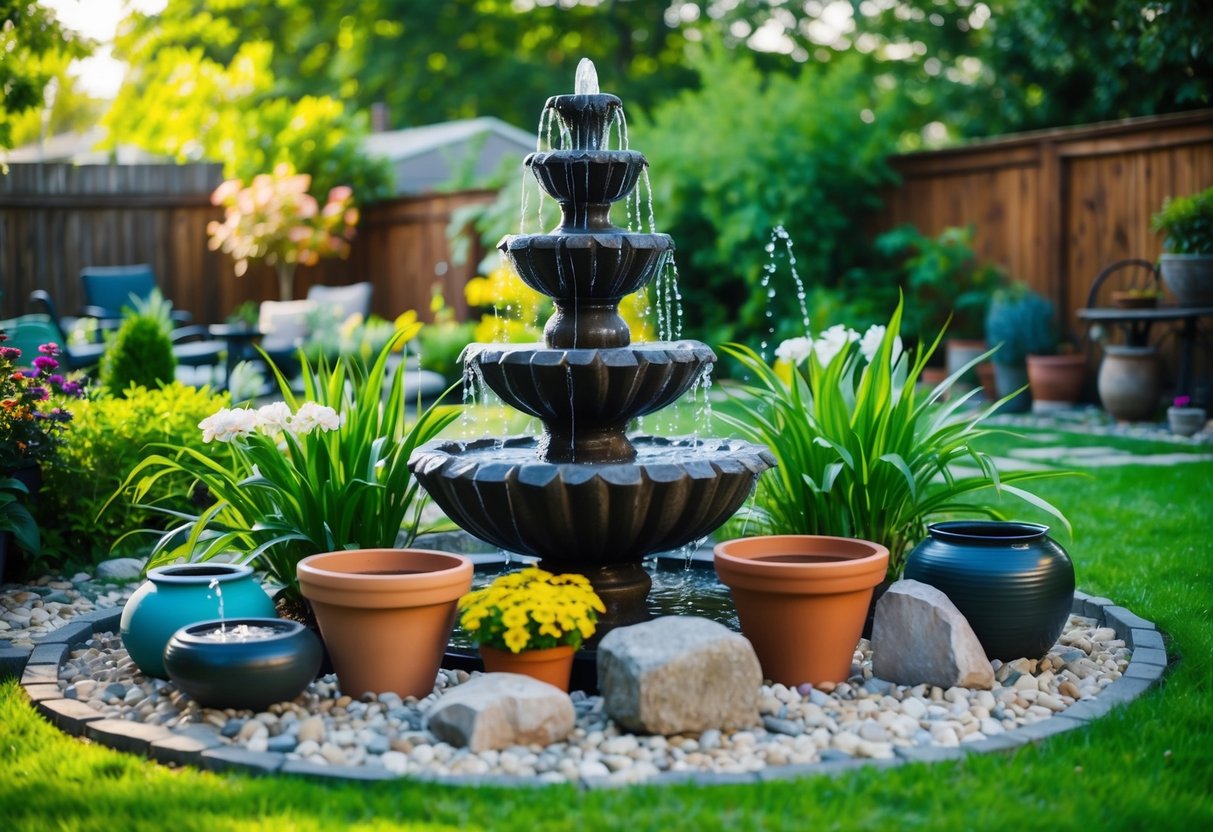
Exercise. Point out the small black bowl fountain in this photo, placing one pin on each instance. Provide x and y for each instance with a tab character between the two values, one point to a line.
585	497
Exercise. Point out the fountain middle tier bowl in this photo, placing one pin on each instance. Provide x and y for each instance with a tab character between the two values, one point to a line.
584	387
601	266
587	177
590	515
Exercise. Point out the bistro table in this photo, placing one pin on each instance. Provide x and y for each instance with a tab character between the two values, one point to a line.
1136	323
238	338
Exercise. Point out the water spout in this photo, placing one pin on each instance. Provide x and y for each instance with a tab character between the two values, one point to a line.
586	80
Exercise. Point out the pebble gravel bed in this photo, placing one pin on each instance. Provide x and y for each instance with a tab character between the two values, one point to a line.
862	718
33	612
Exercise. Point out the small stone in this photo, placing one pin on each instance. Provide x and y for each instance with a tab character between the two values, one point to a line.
377	744
914	708
312	728
782	726
1068	688
282	744
873	732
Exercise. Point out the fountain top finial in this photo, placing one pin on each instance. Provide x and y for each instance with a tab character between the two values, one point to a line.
586	80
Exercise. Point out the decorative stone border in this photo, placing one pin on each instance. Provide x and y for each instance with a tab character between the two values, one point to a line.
199	745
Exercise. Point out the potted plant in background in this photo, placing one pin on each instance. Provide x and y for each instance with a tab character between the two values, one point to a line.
946	286
274	219
1186	224
1184	418
1019	323
532	622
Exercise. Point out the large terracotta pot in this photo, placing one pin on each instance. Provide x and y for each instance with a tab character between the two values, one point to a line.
1013	583
1056	380
551	664
385	615
1129	384
176	596
1189	277
801	600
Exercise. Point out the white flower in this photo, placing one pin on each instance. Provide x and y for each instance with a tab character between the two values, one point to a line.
832	341
869	345
274	418
794	350
312	416
226	425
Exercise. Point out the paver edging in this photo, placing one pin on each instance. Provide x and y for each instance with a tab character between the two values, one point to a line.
184	748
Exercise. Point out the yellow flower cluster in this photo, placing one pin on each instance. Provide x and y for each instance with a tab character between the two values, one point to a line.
530	610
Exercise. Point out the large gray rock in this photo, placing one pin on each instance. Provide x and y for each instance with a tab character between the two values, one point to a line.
919	637
498	710
677	674
120	569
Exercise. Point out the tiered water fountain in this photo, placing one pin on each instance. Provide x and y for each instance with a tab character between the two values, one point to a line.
585	497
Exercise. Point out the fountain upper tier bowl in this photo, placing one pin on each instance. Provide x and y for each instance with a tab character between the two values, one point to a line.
585	178
580	516
602	266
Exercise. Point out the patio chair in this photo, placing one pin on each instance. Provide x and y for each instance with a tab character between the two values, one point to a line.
27	333
343	301
284	326
107	289
84	356
1129	283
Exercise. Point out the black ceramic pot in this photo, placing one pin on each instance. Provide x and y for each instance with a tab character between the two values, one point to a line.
251	673
1011	581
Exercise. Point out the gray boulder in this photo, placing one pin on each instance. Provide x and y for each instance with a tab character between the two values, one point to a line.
498	710
678	674
919	637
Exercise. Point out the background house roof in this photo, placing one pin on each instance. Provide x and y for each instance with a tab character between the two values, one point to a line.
463	153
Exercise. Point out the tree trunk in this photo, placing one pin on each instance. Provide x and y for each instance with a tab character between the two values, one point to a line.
286	280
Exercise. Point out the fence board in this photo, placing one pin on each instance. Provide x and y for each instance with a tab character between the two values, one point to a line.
1054	207
56	219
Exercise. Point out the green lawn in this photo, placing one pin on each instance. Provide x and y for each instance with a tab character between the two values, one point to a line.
1142	537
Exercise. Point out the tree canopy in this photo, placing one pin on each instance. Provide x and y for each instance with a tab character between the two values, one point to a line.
34	49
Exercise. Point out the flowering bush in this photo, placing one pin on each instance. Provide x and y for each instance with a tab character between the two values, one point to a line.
530	610
275	219
861	452
323	474
31	424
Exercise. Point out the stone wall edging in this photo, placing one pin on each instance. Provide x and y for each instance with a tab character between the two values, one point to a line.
199	746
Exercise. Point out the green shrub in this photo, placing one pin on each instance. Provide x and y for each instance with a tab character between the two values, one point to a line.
746	153
1020	323
107	440
140	354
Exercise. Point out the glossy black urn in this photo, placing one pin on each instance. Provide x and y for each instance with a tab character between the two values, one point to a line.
1013	583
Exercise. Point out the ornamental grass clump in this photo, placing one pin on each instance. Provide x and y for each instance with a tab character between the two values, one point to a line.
531	610
324	473
861	451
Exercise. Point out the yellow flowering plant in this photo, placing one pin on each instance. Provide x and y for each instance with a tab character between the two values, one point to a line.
531	610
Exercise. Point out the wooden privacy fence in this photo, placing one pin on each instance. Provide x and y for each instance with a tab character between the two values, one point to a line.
1055	207
56	219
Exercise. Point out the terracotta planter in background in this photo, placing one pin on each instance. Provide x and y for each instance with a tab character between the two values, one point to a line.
801	600
386	615
985	374
551	664
1056	380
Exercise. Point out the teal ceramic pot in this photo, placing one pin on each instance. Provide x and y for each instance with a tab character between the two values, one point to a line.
174	596
1013	583
253	672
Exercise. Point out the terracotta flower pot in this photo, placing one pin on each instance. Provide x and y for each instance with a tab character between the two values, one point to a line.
1056	380
551	664
386	615
801	600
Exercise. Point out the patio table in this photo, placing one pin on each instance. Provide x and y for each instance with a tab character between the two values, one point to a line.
238	338
1136	324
